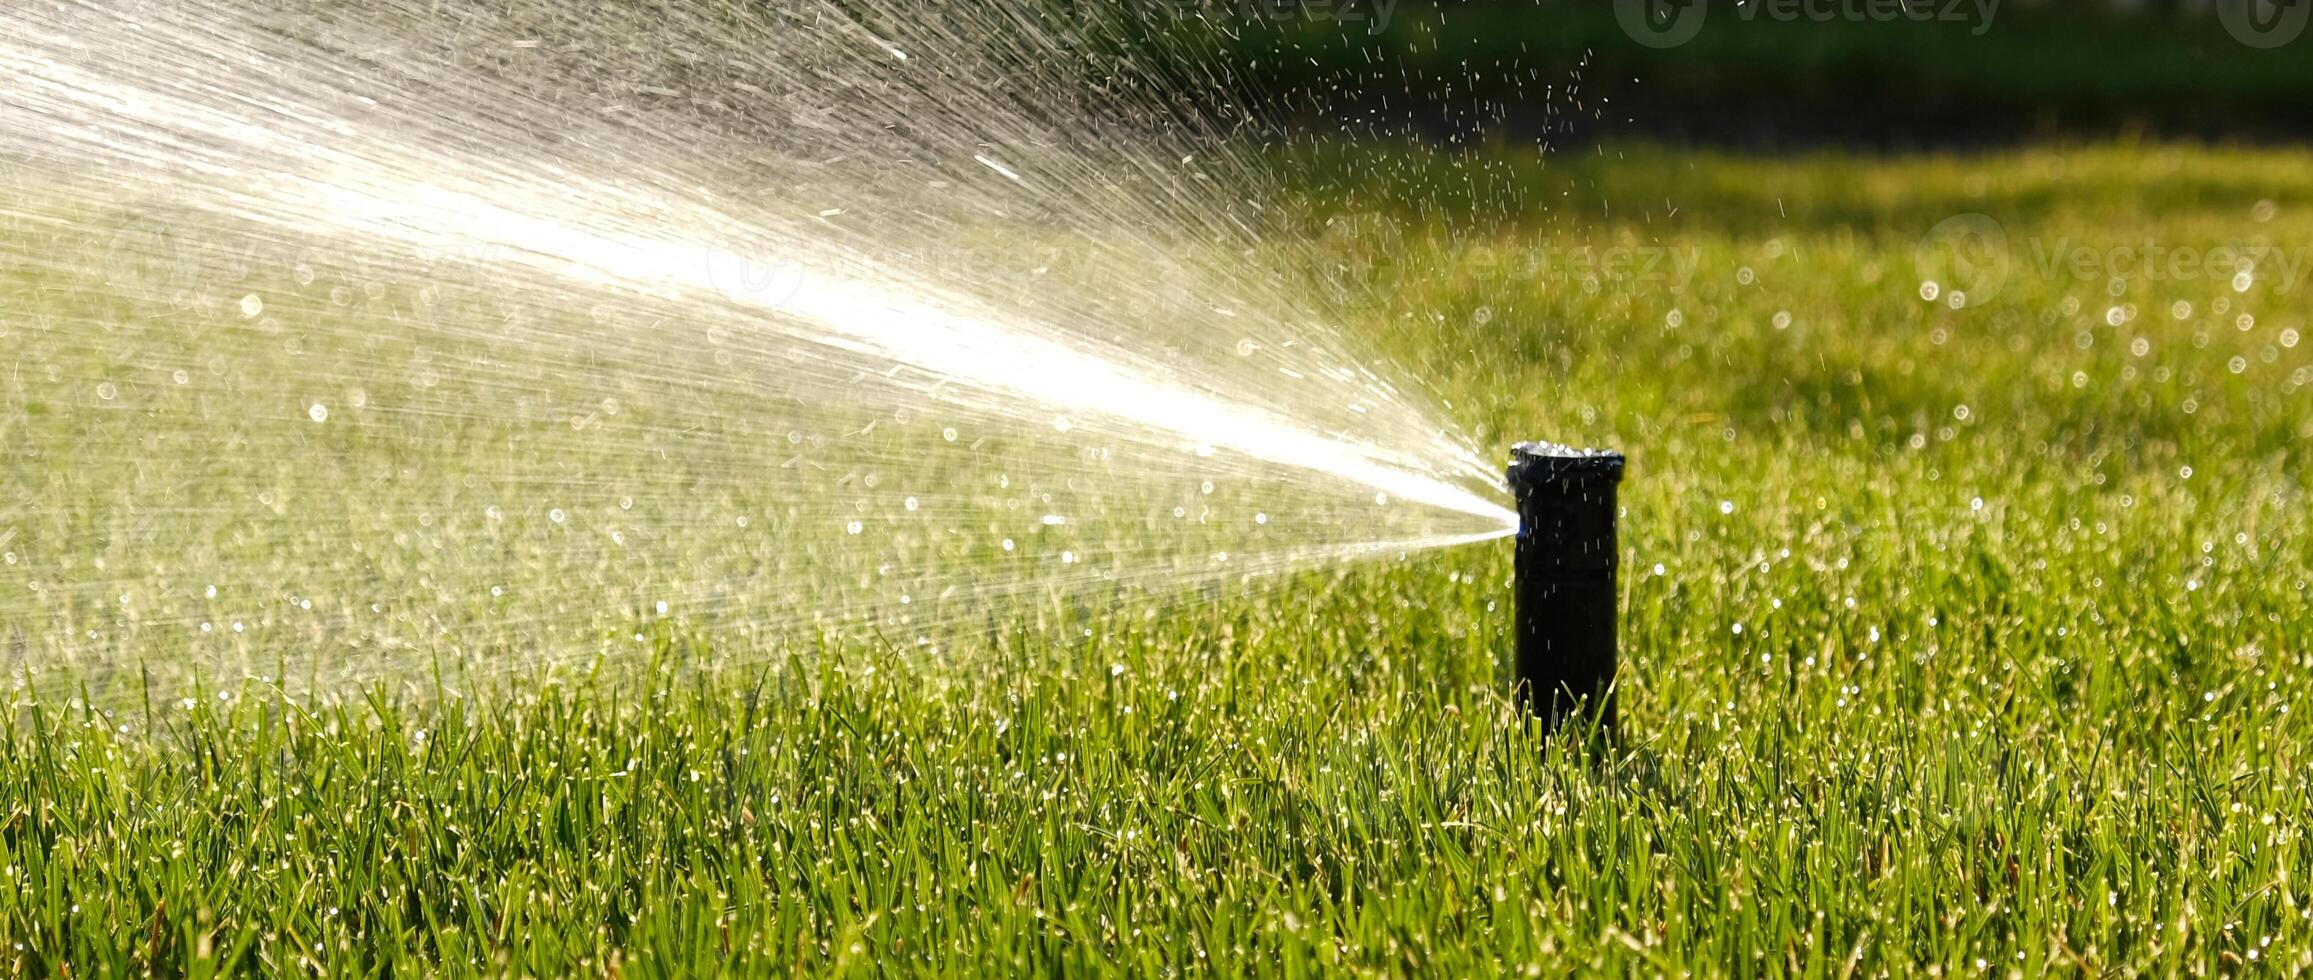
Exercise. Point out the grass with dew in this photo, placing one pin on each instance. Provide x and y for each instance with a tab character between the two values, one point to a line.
1969	641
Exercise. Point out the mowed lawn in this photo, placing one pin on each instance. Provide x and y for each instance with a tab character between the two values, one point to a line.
1960	638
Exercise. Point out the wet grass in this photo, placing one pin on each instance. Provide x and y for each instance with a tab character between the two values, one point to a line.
1963	641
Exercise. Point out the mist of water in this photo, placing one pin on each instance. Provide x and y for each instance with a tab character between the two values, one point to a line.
352	337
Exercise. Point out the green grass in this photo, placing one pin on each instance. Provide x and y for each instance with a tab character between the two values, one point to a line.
2011	692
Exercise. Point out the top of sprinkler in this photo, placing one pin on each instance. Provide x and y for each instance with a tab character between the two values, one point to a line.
1540	461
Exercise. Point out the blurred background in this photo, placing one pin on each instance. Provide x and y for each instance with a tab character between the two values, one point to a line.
1778	74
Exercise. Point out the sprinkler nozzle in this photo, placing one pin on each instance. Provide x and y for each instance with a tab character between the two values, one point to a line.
1567	555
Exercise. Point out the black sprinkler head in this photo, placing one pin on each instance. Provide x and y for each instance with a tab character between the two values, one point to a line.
1567	555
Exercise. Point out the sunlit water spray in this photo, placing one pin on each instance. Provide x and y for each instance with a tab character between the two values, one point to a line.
349	339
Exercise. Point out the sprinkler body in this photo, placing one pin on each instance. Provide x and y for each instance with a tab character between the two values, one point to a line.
1566	560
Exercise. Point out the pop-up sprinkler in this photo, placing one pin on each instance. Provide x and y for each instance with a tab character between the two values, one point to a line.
1565	580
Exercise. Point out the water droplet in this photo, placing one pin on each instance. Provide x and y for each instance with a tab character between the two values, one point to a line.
319	413
106	391
251	306
1726	507
1928	290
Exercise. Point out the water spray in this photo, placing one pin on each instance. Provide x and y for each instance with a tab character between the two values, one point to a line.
1566	560
965	323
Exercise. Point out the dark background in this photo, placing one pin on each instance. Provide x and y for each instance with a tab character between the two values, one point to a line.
1567	72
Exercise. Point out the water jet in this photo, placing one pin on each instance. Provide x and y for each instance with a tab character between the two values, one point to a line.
1565	565
957	325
